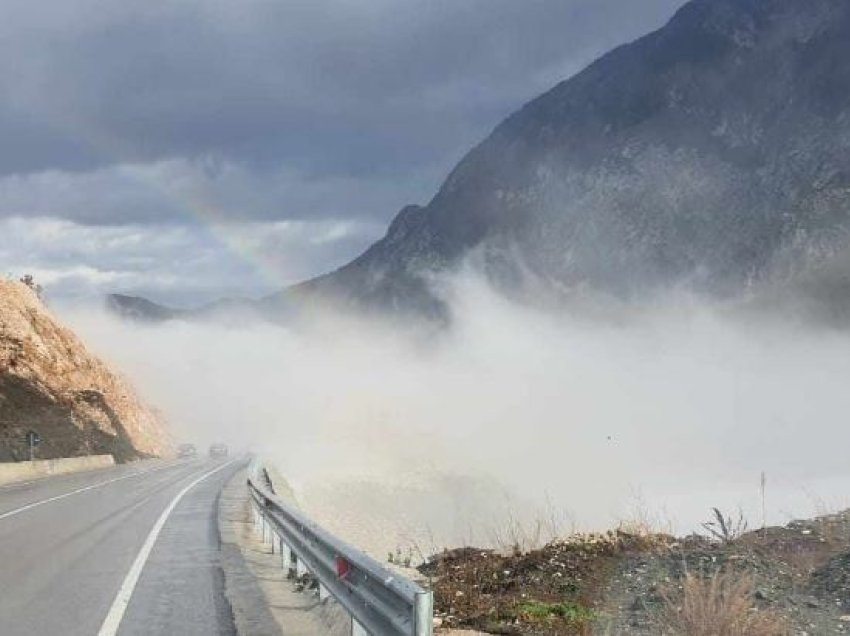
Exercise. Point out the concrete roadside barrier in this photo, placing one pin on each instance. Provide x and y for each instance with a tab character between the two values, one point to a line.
11	472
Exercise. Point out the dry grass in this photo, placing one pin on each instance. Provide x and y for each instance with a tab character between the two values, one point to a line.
653	529
719	605
642	521
516	536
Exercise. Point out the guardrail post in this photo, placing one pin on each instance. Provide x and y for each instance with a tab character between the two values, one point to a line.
300	568
424	614
357	629
292	570
284	555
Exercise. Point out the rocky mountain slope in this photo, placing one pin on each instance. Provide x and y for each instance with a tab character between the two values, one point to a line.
51	384
711	154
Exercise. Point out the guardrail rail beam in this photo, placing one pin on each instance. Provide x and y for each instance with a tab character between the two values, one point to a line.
380	602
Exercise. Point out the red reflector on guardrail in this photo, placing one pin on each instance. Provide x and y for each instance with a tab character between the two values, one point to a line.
343	567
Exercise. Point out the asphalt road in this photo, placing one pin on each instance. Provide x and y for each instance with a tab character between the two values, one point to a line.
105	553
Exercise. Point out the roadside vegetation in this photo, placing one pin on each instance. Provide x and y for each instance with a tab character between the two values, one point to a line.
720	604
634	580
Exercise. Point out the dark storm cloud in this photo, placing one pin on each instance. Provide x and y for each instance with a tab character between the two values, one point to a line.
328	86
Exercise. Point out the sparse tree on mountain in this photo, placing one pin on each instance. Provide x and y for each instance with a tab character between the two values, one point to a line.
29	281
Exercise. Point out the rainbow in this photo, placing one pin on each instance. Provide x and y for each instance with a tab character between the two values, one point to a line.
196	203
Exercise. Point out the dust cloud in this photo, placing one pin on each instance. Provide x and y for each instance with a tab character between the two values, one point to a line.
514	423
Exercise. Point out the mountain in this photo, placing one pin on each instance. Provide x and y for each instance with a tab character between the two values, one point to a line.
138	308
51	384
711	155
224	310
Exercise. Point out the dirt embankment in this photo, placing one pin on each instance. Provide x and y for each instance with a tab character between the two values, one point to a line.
779	580
51	384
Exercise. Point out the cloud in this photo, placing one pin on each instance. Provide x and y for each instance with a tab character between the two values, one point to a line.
328	86
175	263
205	189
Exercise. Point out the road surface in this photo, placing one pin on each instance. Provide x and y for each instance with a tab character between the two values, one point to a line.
128	550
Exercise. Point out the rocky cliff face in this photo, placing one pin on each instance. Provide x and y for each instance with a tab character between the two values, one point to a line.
713	154
51	384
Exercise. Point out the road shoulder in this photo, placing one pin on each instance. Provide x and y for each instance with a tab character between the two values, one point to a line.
264	601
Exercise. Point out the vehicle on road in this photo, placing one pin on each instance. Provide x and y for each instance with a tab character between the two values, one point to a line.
185	451
218	450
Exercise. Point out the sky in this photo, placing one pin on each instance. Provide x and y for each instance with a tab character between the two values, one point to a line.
191	149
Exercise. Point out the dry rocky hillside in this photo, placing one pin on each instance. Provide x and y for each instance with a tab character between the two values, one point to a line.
51	384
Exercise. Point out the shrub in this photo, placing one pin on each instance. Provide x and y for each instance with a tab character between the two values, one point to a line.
726	529
571	613
719	605
29	281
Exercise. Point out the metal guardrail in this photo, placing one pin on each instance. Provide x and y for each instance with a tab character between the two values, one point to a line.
380	601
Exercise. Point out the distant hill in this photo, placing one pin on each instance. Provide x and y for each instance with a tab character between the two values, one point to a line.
141	309
138	308
51	384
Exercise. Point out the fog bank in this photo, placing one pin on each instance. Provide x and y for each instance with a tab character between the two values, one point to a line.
512	414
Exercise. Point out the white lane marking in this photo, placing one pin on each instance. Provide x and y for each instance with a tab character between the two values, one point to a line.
125	593
36	504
